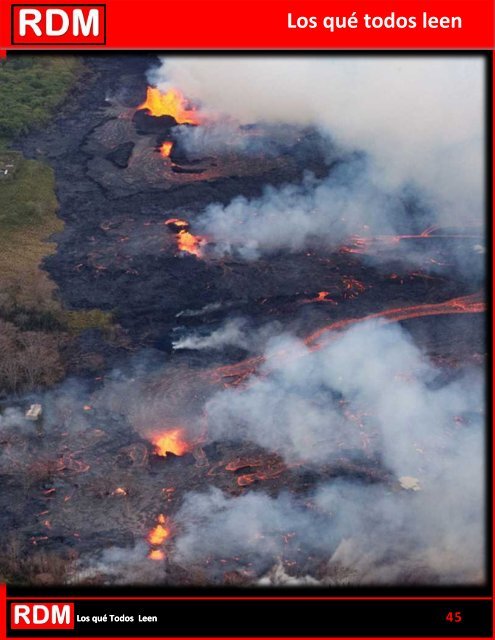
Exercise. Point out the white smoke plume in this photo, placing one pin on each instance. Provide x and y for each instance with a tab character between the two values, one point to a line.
234	332
116	564
313	213
418	120
220	137
12	417
369	534
370	387
372	370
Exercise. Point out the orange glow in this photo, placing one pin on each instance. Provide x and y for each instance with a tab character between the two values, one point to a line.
177	222
156	554
231	375
321	296
472	303
160	533
352	287
186	241
189	243
364	244
166	149
172	103
171	441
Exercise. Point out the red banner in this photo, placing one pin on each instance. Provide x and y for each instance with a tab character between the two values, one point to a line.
252	24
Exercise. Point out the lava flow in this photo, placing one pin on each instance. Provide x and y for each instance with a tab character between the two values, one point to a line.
171	441
322	296
166	149
171	103
466	304
186	241
363	244
238	373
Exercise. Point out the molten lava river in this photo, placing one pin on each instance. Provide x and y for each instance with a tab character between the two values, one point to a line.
241	403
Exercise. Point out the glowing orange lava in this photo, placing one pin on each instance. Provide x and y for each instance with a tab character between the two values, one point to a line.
171	441
166	149
186	241
160	533
321	296
230	375
157	536
156	554
177	222
360	244
171	103
466	304
189	243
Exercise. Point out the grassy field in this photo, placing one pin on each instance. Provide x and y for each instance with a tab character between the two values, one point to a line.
31	89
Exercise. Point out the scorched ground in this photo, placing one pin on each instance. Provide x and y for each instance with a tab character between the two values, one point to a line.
228	430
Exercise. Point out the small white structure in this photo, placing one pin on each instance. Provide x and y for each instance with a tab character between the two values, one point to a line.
409	483
34	412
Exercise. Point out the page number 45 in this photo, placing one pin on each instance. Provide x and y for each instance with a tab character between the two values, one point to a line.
454	616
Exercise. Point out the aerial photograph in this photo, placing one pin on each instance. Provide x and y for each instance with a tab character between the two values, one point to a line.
243	320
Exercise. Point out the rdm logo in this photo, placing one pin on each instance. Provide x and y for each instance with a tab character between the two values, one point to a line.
58	24
46	615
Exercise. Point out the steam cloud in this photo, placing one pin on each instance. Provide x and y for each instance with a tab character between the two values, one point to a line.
313	213
419	122
370	394
372	382
233	333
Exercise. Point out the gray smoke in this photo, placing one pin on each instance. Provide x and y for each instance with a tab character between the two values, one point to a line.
221	137
116	564
321	213
370	392
234	332
371	368
419	122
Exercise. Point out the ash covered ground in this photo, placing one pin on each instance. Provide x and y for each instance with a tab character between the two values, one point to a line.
275	406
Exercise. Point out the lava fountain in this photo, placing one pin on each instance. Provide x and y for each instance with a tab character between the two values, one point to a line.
171	441
186	241
160	533
156	538
171	103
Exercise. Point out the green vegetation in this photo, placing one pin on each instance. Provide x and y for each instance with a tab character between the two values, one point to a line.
33	324
77	321
31	88
27	218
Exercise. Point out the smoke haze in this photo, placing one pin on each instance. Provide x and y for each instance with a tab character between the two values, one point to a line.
371	392
419	122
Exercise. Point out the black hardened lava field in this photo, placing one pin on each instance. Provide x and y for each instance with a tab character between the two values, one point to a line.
283	392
